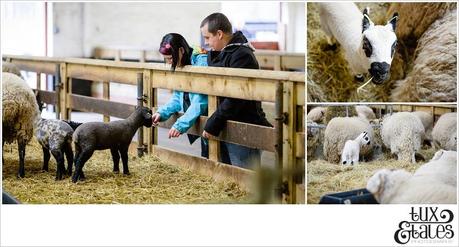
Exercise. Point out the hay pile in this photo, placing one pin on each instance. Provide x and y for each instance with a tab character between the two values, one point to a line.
325	178
328	70
151	181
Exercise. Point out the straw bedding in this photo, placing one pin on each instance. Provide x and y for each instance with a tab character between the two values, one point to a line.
325	178
151	181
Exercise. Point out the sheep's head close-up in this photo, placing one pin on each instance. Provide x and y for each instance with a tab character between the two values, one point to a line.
378	44
146	114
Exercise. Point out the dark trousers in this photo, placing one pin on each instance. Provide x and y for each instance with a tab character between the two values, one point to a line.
224	155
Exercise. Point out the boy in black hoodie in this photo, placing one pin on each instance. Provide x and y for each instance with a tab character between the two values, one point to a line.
232	50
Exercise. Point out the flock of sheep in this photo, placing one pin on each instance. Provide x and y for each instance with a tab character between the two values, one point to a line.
348	140
21	120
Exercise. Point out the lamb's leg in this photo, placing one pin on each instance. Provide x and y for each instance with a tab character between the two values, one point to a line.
69	155
116	160
21	150
59	156
79	163
46	157
124	158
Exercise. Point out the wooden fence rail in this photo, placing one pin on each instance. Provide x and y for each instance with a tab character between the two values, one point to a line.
267	59
228	82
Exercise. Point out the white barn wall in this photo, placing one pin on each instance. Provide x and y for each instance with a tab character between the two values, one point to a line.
83	26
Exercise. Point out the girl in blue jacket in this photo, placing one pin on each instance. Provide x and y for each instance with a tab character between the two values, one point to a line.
177	52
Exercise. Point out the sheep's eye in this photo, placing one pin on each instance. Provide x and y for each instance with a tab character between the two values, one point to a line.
366	138
394	45
367	47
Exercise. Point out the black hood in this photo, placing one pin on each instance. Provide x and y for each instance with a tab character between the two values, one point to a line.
236	41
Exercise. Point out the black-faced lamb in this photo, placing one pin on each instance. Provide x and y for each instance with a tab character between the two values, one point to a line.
20	113
116	136
434	182
367	47
56	136
403	133
351	150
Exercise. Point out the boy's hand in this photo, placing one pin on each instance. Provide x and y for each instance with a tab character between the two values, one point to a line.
174	133
207	135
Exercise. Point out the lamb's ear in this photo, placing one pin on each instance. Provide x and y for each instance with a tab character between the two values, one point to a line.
393	21
366	22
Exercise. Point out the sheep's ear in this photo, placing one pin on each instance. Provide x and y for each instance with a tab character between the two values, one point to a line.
366	22
393	21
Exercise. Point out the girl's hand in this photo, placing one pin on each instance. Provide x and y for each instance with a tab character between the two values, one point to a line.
174	133
155	118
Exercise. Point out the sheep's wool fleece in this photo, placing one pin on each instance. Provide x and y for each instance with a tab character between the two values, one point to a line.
317	114
20	109
341	129
402	132
53	133
365	112
427	122
11	68
445	131
434	74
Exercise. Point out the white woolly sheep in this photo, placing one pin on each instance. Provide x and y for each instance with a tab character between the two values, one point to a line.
56	136
317	114
365	112
433	183
427	122
403	133
341	129
11	68
444	133
367	47
351	150
433	77
443	166
20	113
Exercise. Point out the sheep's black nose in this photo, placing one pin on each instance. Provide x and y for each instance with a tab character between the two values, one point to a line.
379	71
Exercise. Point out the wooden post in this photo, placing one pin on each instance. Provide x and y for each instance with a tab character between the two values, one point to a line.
289	138
277	63
154	101
106	95
143	56
57	86
140	147
68	96
38	80
64	85
214	147
278	130
147	90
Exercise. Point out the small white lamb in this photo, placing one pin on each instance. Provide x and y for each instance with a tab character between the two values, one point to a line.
351	150
367	47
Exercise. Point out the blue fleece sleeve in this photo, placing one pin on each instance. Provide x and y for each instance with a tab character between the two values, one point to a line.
199	60
197	108
171	107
